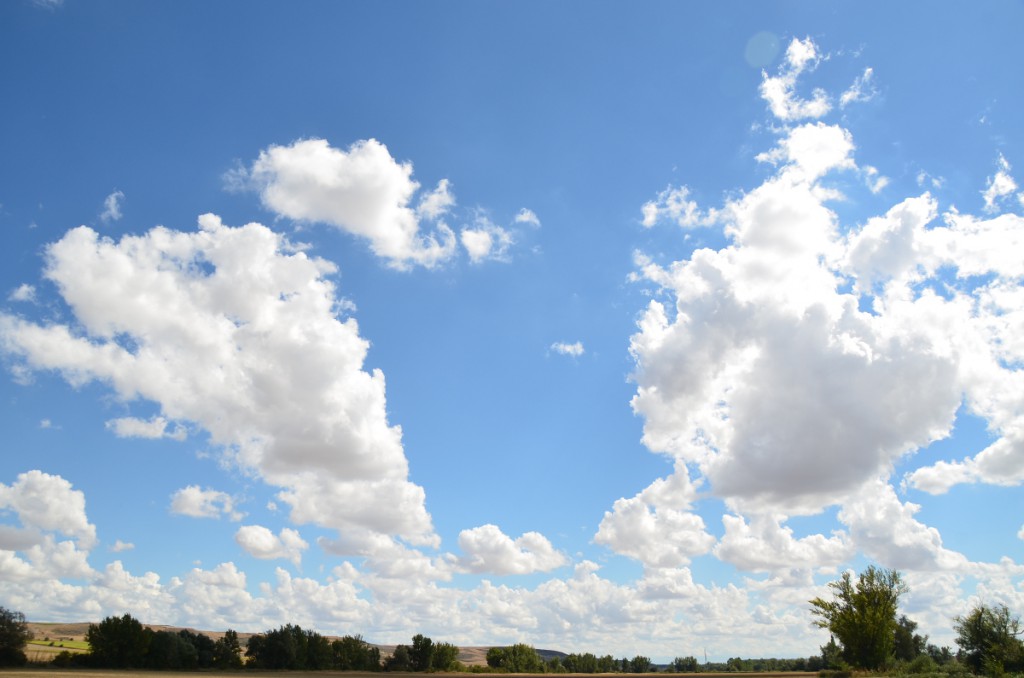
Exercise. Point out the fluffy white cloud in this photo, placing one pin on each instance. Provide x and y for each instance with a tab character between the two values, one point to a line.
436	203
788	391
199	503
234	329
486	240
259	542
112	207
154	428
362	190
779	91
765	545
885	529
811	150
574	349
121	546
47	502
656	526
488	549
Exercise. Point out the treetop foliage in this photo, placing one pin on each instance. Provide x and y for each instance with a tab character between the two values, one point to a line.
988	639
14	634
862	616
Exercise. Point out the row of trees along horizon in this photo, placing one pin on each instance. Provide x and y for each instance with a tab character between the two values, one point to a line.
866	634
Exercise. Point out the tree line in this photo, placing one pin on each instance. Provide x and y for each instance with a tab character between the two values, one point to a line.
867	633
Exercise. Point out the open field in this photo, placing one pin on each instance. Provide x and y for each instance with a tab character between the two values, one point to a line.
72	673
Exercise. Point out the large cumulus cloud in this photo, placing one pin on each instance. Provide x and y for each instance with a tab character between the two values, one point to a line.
795	367
237	331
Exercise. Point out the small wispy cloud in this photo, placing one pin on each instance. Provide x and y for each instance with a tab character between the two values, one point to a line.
24	292
122	546
131	427
527	216
999	186
574	349
112	207
862	89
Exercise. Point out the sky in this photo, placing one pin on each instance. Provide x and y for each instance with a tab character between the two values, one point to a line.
605	327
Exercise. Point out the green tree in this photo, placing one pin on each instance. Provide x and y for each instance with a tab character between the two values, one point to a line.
399	660
14	634
288	648
518	658
227	651
685	665
352	653
909	645
606	664
421	652
445	657
118	643
169	651
639	664
988	638
862	616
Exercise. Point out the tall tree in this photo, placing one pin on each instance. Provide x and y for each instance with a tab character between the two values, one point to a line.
118	642
227	651
862	616
909	645
988	638
445	657
421	652
14	634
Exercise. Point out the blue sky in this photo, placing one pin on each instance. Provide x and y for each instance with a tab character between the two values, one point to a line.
608	327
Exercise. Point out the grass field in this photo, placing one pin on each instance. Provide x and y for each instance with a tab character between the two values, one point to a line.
63	644
72	673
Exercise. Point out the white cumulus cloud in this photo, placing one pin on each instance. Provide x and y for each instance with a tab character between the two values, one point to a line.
49	503
259	542
787	391
362	190
196	502
485	240
234	330
488	549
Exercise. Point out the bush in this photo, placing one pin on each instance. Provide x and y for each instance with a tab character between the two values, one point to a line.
835	673
922	664
12	656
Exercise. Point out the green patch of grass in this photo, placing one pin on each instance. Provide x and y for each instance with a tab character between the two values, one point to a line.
69	644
